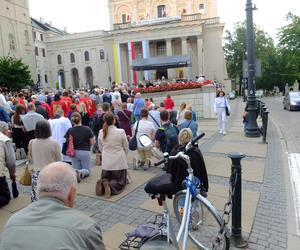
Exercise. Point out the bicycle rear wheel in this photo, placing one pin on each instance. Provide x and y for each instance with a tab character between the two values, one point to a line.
205	222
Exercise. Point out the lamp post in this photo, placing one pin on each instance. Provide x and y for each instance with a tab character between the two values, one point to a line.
252	129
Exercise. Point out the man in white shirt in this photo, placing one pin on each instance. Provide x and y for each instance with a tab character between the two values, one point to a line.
59	127
154	117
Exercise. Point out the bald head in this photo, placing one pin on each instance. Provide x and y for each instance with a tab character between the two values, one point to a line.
57	180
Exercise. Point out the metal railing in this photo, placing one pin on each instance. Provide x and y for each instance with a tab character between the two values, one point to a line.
183	18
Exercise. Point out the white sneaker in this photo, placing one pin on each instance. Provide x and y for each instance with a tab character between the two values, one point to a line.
18	154
221	132
23	153
224	133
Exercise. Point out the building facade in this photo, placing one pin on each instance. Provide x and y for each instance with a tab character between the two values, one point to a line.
15	32
140	30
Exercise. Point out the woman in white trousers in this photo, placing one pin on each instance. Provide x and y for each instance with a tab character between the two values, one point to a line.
220	105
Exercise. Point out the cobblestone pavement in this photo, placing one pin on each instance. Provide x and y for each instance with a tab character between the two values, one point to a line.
269	230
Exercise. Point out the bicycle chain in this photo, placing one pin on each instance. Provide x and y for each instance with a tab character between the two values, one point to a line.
226	211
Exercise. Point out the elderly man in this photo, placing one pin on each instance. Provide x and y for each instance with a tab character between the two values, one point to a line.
7	161
51	222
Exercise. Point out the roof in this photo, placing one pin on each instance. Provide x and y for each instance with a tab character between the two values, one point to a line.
47	27
153	63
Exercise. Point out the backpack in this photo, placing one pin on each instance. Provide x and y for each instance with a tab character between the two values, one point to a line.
171	137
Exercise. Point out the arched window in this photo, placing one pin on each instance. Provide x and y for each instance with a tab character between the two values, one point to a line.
12	42
86	56
102	56
59	59
72	58
161	11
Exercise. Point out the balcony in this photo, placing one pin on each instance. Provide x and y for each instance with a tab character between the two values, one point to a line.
166	20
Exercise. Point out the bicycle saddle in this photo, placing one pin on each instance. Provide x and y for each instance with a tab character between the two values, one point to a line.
160	185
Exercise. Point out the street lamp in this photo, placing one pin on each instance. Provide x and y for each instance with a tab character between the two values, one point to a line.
252	129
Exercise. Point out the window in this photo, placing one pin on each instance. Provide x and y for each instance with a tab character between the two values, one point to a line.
42	37
161	11
72	58
86	56
46	79
12	42
36	49
59	59
26	37
161	48
39	78
34	35
44	52
102	56
124	17
201	8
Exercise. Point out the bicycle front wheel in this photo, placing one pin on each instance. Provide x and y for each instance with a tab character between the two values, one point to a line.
204	224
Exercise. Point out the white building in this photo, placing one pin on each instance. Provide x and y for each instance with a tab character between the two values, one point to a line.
15	32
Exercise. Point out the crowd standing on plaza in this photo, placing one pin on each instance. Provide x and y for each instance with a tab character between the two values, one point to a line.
49	128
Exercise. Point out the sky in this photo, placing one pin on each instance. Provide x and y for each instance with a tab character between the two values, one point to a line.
79	16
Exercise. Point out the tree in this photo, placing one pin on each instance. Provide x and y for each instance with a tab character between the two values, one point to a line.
14	74
289	50
235	49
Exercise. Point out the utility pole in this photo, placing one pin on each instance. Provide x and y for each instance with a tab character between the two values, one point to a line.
252	129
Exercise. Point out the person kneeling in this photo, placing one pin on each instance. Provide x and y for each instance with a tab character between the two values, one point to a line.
113	144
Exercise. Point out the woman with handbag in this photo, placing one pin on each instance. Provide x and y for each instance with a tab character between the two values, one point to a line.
144	127
124	116
42	151
221	109
82	138
114	147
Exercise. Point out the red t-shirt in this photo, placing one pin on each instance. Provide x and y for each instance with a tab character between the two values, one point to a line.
59	104
169	103
90	105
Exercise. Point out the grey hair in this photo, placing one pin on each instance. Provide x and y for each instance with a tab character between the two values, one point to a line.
3	126
59	112
55	180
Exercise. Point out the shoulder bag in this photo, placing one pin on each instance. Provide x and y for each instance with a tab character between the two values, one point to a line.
70	149
133	141
226	108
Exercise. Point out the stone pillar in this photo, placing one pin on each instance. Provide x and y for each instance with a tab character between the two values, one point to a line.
171	72
184	51
200	56
209	95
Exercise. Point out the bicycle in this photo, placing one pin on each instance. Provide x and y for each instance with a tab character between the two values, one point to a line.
199	219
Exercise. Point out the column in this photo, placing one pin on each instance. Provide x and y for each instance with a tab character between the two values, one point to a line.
146	54
200	56
117	63
184	51
171	73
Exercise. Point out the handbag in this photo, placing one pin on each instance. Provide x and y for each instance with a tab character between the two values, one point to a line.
133	141
70	149
226	109
25	179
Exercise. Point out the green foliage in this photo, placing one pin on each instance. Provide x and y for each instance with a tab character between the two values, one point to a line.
289	49
236	50
14	74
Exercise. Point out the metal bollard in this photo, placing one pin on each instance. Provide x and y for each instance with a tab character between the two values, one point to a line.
236	230
265	125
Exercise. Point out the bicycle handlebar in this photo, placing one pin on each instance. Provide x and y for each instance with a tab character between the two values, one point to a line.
179	154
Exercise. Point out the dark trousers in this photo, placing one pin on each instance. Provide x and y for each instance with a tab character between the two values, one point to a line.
4	192
20	138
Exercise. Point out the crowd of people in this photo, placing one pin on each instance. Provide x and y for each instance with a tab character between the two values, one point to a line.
98	120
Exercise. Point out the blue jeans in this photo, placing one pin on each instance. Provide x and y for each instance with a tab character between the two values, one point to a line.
82	162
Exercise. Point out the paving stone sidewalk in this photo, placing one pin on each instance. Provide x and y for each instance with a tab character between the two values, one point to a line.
267	229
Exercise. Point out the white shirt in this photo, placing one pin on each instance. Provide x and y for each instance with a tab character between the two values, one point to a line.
221	102
30	119
59	128
145	128
156	116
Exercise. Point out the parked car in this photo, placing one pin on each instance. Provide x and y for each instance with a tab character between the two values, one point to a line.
291	101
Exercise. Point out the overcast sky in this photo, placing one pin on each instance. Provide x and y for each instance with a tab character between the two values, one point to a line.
89	15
